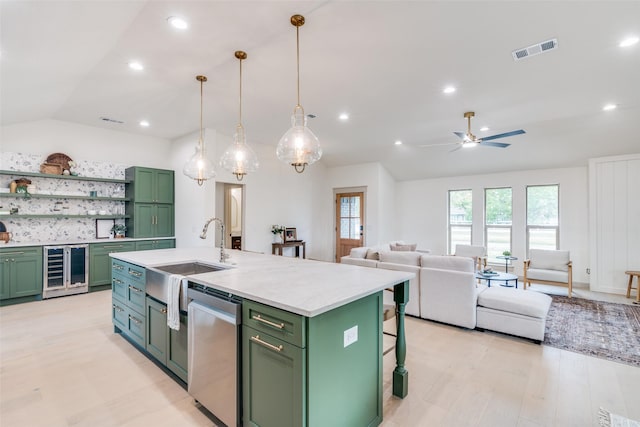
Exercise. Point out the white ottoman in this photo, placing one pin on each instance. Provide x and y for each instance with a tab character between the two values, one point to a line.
513	311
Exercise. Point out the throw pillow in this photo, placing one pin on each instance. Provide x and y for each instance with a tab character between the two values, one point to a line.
372	254
358	252
407	247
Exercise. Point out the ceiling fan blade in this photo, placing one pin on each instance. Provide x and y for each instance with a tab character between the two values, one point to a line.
495	144
503	135
456	149
461	135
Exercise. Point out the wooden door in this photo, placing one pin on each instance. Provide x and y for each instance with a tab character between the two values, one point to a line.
349	222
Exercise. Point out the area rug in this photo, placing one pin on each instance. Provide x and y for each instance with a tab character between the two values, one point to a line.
601	329
607	419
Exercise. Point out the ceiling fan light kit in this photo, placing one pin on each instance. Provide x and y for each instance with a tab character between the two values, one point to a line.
470	140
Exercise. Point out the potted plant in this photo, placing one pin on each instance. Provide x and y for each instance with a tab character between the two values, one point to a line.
119	230
506	253
277	231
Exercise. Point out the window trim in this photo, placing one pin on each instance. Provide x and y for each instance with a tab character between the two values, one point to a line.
449	225
526	212
494	261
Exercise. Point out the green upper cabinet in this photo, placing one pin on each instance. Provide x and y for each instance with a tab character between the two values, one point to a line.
20	272
151	211
150	185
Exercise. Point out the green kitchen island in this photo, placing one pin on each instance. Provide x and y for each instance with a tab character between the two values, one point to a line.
311	335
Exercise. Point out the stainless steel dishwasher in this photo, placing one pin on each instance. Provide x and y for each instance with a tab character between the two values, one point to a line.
214	352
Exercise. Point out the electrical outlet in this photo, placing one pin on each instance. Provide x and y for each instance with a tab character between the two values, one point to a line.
588	271
350	336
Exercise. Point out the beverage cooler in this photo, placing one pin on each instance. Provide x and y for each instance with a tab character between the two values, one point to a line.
66	270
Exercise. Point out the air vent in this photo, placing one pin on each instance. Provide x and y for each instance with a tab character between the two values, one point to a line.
107	119
535	49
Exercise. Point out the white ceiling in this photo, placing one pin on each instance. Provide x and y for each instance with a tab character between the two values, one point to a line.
383	62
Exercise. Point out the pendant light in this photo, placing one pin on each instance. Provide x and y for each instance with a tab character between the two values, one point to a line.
199	167
298	147
239	158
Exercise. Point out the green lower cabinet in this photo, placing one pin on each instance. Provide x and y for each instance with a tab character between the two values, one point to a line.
166	345
273	381
148	245
100	262
329	381
20	272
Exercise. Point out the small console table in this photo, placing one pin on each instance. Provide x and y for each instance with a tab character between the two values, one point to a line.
278	248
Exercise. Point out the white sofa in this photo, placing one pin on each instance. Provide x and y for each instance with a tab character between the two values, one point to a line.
445	290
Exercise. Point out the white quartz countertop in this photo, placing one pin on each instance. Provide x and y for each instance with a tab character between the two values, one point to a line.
304	287
13	244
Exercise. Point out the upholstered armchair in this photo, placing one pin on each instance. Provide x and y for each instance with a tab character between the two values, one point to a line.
477	253
548	268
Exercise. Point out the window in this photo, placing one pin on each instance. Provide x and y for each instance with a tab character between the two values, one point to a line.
459	218
497	229
542	217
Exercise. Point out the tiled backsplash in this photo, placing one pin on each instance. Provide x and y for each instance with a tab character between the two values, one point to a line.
52	229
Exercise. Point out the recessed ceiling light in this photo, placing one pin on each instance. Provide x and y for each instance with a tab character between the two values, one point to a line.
343	116
609	107
134	65
629	41
449	89
398	142
177	22
144	123
484	129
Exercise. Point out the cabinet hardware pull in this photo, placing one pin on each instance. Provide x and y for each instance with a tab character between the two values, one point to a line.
118	281
163	311
137	322
133	288
266	344
118	267
260	319
120	309
110	247
135	273
13	253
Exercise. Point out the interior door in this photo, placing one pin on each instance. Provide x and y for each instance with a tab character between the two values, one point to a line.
349	222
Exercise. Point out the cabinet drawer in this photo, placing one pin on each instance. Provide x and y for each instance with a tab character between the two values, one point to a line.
119	314
134	274
119	287
278	323
136	327
136	297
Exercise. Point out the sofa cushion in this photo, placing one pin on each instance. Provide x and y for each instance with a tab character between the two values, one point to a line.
359	261
548	275
400	257
358	252
446	262
400	248
549	260
518	301
374	251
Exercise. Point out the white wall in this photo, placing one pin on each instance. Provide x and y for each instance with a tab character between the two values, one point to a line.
45	137
194	204
422	211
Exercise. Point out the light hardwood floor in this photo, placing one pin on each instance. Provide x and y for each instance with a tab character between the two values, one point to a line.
62	365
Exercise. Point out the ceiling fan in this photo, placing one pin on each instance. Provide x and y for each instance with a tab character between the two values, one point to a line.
470	140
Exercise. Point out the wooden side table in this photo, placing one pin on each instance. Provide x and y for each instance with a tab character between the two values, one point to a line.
631	274
278	248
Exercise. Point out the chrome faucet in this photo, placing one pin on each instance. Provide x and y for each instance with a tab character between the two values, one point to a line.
203	235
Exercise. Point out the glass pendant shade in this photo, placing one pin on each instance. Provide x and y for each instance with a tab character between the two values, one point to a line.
199	167
239	158
299	147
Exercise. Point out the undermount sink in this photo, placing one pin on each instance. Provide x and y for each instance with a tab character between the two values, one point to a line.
189	268
158	279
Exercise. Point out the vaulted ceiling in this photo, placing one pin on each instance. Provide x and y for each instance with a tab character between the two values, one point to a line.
385	63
